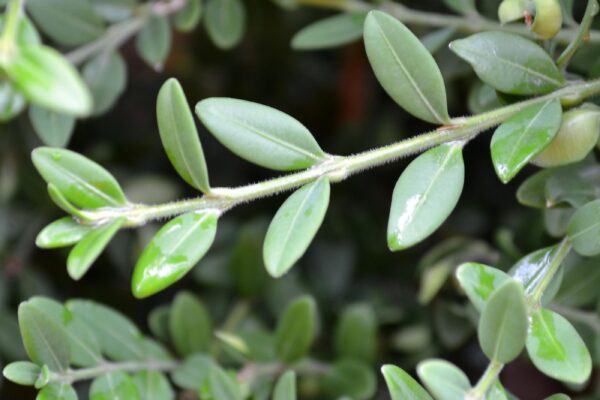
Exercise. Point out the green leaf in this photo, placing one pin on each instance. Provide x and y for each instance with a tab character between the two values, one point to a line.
330	32
153	385
27	34
567	187
461	6
43	338
193	371
179	135
119	338
46	78
425	195
479	281
558	396
12	103
584	229
80	180
509	62
106	76
85	253
225	22
356	333
223	386
115	10
401	385
580	284
503	324
57	391
190	325
405	68
158	322
285	389
444	380
531	193
68	22
22	372
523	136
189	16
532	268
154	42
114	385
436	40
61	233
260	134
294	226
296	330
57	197
556	349
350	378
175	249
54	129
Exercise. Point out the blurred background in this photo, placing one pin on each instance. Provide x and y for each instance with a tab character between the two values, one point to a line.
335	94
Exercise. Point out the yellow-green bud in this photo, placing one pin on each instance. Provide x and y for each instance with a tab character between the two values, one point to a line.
548	18
511	10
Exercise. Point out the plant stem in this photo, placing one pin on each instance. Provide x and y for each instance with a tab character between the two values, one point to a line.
336	168
558	257
582	34
471	23
486	381
11	26
74	375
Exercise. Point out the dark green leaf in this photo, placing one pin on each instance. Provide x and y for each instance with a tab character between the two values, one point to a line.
190	325
57	391
193	371
330	32
285	389
22	372
61	233
296	330
54	129
425	195
401	385
153	385
509	62
179	135
350	378
584	229
174	250
580	284
479	281
444	380
523	136
294	226
223	386
113	386
154	42
532	191
405	68
556	349
80	180
189	16
503	324
225	22
260	134
85	253
106	76
356	333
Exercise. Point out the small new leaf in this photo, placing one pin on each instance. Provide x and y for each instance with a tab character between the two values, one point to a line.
61	233
444	380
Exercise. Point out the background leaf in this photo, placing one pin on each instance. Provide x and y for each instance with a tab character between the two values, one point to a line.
225	22
350	378
57	391
114	385
329	32
189	16
106	76
584	229
61	233
401	385
223	386
54	129
356	333
479	281
154	42
296	330
285	389
152	385
443	379
190	325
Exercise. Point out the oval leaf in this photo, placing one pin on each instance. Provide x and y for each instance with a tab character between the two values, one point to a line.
22	372
296	330
260	134
329	32
225	22
556	349
179	135
106	76
479	281
174	250
190	325
54	129
350	378
584	229
57	391
444	380
153	385
114	385
193	371
401	385
285	389
154	42
294	226
356	333
509	62
425	195
223	386
189	16
503	325
61	233
11	101
405	68
523	136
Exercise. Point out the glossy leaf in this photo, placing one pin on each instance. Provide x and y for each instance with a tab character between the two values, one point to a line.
12	103
153	385
223	386
190	325
22	372
189	16
356	333
350	378
175	249
523	136
509	62
60	200
425	195
405	68
260	134
584	229
85	253
558	396
68	22
57	391
61	233
54	129
503	325
531	269
294	226
479	281
444	380
80	180
193	371
225	22
114	385
296	330
401	385
119	338
106	76
285	388
46	78
43	338
556	349
154	42
179	135
330	32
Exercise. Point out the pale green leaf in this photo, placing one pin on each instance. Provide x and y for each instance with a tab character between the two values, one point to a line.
330	32
225	22
402	386
443	379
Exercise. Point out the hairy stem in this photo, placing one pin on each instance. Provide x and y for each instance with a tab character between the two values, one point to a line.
337	168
